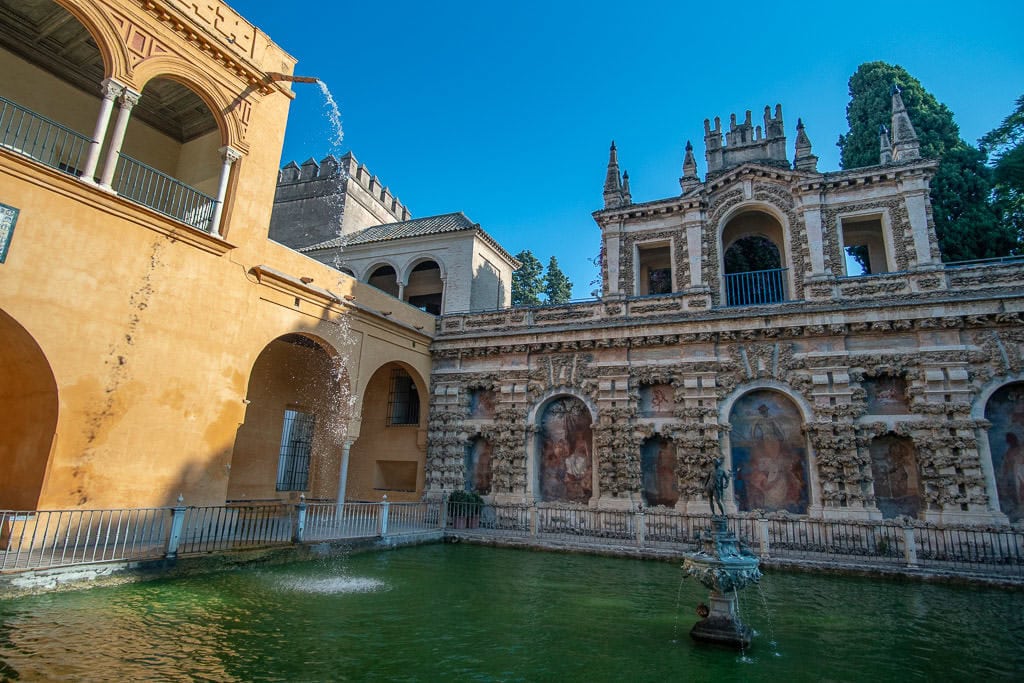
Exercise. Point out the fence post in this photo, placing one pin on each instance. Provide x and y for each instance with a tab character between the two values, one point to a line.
534	522
299	531
442	515
909	546
177	523
640	526
382	524
765	545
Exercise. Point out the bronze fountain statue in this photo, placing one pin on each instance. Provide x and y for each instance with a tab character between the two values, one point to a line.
724	566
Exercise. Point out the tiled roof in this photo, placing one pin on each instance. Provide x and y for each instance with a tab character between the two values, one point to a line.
416	227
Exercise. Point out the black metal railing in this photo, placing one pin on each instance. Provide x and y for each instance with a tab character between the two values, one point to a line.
37	137
756	287
140	183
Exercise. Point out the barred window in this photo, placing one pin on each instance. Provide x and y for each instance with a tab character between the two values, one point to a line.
296	446
404	401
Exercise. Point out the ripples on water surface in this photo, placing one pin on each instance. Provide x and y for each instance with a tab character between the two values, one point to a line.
480	614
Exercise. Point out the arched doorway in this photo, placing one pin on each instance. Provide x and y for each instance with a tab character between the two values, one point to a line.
290	443
565	445
658	472
896	479
1005	410
754	260
28	402
769	455
389	456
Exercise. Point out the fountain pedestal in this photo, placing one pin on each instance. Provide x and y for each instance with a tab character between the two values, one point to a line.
723	567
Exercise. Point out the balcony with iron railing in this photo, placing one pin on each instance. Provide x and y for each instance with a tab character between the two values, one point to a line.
52	144
756	287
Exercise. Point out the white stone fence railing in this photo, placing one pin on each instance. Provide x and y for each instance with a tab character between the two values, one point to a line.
904	543
43	539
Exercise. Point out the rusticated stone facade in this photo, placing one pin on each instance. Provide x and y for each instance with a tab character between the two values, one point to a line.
887	375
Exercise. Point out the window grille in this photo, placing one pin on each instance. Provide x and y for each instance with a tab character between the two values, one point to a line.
404	400
296	447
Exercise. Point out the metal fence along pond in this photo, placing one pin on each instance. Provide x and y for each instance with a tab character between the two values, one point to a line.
58	538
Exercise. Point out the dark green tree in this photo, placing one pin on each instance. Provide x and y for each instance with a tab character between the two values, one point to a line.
966	223
556	285
871	106
527	281
1006	144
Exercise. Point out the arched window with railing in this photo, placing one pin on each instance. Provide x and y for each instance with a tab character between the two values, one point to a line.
754	263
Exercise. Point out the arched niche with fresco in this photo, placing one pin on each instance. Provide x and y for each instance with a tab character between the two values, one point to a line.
769	453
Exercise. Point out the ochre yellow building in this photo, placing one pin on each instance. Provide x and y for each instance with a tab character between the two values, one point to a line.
153	341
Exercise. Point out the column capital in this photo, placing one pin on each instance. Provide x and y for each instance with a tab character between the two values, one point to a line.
229	154
129	98
111	89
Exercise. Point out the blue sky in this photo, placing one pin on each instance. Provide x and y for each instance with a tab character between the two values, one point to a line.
505	110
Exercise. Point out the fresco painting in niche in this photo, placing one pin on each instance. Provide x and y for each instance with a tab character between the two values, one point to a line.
894	469
566	468
481	404
768	455
658	470
886	395
1005	410
657	400
478	466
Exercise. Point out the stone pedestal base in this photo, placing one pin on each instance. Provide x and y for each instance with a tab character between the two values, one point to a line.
721	625
722	632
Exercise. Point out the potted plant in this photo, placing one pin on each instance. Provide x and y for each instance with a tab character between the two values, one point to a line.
464	509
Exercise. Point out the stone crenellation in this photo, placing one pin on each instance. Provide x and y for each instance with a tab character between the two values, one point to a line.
315	201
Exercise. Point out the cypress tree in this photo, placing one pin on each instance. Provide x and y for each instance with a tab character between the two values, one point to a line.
556	285
527	282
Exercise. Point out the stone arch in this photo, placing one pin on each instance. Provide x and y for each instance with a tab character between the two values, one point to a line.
767	449
1004	411
175	69
113	51
423	258
561	462
389	455
744	223
424	288
896	477
384	281
295	388
30	406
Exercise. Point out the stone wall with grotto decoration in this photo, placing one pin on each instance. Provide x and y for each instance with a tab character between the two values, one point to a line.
634	419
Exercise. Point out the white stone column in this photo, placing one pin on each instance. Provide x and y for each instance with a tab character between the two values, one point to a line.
401	290
695	251
129	98
918	216
815	240
110	90
229	156
343	473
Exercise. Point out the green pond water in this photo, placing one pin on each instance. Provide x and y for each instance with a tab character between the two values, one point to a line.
464	613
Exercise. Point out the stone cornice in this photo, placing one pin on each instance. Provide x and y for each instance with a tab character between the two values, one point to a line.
224	35
802	181
761	325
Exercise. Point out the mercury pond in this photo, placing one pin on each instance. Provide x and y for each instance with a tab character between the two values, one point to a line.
459	612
